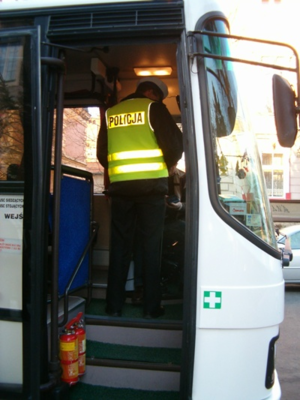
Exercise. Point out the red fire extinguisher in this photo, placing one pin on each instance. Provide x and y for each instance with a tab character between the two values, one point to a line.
77	325
68	345
72	350
81	335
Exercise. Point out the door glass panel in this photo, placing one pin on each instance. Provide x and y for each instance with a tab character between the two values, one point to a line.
11	150
239	177
11	106
79	144
15	76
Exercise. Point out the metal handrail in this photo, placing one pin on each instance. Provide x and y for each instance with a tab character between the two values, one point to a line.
95	227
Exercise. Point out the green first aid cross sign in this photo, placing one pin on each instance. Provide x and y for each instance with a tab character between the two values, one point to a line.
212	300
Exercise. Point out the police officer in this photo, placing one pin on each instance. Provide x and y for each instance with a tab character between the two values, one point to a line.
138	142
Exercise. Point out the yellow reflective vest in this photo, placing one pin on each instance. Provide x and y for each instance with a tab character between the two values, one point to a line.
133	152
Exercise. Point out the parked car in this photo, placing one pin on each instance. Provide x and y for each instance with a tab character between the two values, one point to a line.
291	274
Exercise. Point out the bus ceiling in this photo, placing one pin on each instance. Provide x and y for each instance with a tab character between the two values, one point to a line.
95	72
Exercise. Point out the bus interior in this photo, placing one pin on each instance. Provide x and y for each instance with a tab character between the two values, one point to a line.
97	76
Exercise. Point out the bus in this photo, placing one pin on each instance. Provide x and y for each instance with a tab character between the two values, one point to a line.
63	63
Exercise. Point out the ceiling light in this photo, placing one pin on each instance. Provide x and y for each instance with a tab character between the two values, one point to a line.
153	71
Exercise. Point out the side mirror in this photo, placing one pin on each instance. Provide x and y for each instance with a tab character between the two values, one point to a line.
285	112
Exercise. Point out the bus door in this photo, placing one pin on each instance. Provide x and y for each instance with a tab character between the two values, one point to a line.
22	219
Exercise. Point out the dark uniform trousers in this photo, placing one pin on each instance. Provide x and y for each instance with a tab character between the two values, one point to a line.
146	214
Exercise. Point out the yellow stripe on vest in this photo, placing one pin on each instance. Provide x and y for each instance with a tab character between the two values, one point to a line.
124	169
127	155
126	119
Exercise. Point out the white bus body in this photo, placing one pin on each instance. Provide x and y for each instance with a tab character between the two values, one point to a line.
233	296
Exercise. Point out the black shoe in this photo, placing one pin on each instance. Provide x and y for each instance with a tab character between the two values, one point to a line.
113	313
155	314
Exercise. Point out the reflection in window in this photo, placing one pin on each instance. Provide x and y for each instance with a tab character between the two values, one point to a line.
239	179
11	106
223	94
10	59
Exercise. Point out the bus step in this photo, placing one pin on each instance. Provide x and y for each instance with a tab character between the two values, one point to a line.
134	332
91	392
133	353
128	374
173	310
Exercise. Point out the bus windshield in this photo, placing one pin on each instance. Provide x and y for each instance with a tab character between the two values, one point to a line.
239	178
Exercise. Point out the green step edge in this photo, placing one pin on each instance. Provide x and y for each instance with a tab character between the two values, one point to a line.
110	351
172	311
82	391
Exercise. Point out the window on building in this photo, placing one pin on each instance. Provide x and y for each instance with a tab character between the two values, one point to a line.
79	145
10	59
274	174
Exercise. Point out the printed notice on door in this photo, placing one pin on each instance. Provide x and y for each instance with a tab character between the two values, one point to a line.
11	227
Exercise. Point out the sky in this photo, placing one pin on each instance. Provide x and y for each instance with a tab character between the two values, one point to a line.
269	20
278	21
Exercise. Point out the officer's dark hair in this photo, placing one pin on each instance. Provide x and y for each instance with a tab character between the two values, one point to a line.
144	86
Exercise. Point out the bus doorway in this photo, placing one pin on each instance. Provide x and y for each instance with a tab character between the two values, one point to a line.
96	78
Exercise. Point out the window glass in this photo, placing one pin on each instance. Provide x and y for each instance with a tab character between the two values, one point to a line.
9	65
278	160
274	174
295	241
281	239
11	108
267	159
278	183
14	60
239	178
79	148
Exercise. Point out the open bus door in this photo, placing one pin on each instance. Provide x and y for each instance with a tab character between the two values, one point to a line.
22	222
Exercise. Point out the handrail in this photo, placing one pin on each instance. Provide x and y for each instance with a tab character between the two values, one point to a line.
54	361
245	61
95	227
61	170
80	173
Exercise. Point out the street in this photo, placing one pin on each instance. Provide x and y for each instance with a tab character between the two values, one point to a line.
288	346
